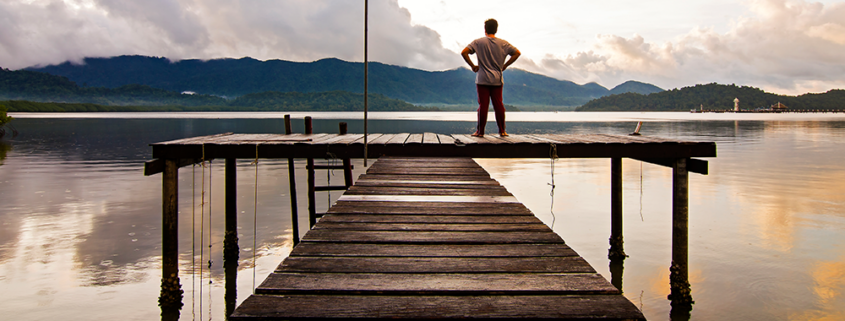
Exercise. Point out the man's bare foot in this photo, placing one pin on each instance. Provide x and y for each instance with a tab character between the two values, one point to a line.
476	134
503	134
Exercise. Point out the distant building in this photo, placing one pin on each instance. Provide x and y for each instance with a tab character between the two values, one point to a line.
779	106
736	104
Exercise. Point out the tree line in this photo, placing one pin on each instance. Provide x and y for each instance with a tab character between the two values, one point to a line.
713	97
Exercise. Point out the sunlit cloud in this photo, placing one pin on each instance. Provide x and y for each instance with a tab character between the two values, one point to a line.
784	46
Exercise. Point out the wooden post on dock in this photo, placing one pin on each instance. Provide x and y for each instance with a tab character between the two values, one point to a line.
679	271
616	248
294	211
312	206
171	290
231	250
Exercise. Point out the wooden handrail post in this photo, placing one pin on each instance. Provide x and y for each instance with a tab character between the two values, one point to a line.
347	163
312	206
294	210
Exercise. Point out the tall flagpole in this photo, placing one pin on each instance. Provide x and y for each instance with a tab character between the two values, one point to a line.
366	67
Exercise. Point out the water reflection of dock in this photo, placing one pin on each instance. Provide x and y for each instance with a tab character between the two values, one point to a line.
434	227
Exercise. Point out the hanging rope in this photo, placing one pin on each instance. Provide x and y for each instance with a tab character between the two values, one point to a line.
210	189
255	220
193	239
332	163
553	158
202	226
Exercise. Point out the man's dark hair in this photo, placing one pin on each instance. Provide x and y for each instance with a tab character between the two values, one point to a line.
491	26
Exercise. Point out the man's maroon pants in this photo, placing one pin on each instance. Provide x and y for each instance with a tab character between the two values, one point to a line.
485	94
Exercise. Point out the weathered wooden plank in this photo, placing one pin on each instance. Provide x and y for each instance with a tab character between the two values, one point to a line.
446	139
573	264
414	139
451	171
441	227
430	219
370	138
421	208
383	190
193	140
399	139
381	140
424	184
430	198
467	139
399	159
531	307
430	138
423	177
432	250
428	164
431	237
435	284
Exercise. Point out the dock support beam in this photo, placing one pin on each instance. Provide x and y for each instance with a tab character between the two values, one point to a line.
170	298
616	248
294	211
679	271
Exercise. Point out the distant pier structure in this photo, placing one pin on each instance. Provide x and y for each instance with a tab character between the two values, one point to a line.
427	233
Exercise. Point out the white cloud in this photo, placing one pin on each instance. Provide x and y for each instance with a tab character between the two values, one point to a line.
52	31
787	47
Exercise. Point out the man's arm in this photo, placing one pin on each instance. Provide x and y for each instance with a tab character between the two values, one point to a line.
465	53
514	57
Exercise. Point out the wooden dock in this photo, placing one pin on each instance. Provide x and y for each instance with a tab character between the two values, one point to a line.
440	232
423	238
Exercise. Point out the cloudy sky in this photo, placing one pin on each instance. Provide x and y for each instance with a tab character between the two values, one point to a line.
782	46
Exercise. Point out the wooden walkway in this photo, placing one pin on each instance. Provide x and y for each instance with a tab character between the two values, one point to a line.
433	238
231	145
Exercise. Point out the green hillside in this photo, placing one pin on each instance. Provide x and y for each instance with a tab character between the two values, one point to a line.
238	77
715	97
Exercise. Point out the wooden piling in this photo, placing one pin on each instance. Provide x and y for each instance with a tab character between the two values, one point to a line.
616	248
294	211
679	271
230	237
231	250
171	290
312	206
347	163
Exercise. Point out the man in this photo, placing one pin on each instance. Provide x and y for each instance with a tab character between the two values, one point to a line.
492	52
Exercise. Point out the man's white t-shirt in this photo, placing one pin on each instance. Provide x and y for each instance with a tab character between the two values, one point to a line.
491	53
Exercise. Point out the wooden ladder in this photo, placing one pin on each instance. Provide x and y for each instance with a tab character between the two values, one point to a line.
312	188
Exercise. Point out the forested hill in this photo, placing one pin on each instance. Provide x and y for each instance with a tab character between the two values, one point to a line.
238	77
715	97
36	91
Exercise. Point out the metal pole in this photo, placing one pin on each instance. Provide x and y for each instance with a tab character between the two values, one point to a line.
366	70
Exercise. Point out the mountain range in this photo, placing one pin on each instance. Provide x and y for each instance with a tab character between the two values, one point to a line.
231	78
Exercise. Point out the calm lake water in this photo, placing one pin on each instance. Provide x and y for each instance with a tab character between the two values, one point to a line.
80	224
